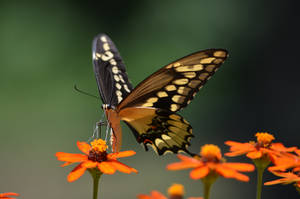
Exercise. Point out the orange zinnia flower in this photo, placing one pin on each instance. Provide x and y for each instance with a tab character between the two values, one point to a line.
287	178
262	148
176	191
95	157
211	163
8	195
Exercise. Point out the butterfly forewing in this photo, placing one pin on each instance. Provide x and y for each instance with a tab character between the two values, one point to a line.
110	72
175	85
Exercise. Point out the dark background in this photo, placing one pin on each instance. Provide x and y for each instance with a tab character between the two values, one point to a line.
45	48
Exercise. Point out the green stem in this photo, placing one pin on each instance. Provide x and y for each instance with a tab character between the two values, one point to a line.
96	174
207	183
260	172
261	164
207	187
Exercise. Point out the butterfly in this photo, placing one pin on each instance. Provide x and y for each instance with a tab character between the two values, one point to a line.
150	108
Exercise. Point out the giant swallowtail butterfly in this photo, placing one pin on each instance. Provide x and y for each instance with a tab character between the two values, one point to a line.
150	108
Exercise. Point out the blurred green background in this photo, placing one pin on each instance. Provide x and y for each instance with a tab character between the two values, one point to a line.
45	48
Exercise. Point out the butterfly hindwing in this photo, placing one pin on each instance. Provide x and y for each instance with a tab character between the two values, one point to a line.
161	129
175	85
110	72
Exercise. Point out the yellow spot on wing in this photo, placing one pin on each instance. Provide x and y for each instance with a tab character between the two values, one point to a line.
116	77
107	56
148	105
181	81
113	62
183	90
218	61
103	38
119	98
170	88
194	83
152	100
105	46
118	86
160	143
115	70
189	68
190	74
162	94
210	68
174	107
176	64
178	99
174	117
203	76
126	88
220	54
121	78
118	93
207	60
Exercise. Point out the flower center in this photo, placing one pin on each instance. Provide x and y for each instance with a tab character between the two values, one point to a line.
264	139
210	152
176	189
98	152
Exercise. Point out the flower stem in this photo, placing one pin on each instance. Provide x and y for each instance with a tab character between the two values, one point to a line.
207	187
207	182
260	172
261	164
96	174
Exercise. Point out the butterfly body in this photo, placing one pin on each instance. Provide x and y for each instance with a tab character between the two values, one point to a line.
150	108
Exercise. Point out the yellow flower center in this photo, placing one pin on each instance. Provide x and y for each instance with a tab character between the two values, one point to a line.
211	152
98	151
176	189
264	139
99	145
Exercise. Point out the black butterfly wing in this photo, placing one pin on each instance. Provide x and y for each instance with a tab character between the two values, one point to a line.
175	85
110	72
149	110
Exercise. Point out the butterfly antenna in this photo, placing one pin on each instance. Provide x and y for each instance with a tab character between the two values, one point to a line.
85	93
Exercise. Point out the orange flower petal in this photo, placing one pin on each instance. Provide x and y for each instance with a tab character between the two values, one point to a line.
240	166
188	159
121	154
254	154
76	173
239	146
297	151
199	172
182	165
66	164
288	177
84	147
89	164
157	195
143	196
7	195
122	167
106	167
280	147
70	157
230	173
